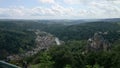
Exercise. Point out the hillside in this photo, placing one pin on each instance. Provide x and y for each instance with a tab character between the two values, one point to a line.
14	42
86	30
20	39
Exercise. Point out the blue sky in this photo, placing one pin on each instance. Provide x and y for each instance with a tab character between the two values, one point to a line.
59	9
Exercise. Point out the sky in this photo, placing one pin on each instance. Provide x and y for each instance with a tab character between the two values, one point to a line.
59	9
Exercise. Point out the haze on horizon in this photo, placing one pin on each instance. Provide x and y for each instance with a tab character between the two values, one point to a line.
59	9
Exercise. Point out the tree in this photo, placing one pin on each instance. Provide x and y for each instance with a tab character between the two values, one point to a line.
45	61
67	66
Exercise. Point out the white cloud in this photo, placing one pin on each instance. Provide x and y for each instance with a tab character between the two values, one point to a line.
47	1
71	1
86	9
62	11
14	12
22	12
105	9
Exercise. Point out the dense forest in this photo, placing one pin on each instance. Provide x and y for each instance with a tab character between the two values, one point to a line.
14	42
18	37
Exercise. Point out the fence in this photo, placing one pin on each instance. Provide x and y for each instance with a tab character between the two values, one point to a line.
4	64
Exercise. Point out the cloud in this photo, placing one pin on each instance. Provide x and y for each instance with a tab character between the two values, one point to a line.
95	8
47	1
105	9
62	11
75	9
14	12
21	12
55	10
71	1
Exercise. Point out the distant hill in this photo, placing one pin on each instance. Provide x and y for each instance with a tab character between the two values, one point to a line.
19	33
85	30
62	21
64	29
111	20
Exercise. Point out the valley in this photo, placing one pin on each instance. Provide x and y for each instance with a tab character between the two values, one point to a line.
61	43
43	41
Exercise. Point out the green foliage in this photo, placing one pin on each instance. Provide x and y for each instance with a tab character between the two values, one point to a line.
67	66
64	56
81	31
45	61
94	66
15	38
70	55
14	42
84	31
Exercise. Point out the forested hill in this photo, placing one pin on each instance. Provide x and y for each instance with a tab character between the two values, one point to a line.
64	32
18	37
86	30
15	42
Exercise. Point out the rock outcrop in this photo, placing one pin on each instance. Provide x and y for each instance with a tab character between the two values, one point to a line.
43	40
98	43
